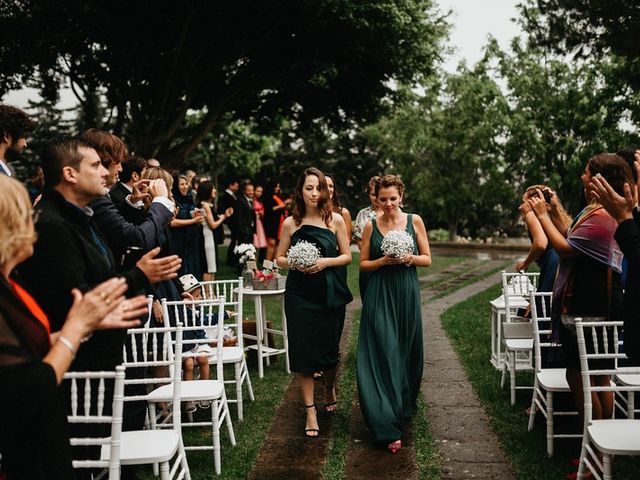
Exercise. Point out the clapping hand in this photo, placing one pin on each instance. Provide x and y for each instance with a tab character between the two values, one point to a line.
126	315
620	208
140	190
159	269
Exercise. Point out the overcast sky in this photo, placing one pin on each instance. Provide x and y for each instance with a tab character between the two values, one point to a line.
472	21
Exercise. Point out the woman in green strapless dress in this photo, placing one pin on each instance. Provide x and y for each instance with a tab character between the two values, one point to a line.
390	354
315	296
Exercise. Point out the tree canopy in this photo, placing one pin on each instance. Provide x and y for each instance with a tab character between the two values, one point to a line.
152	62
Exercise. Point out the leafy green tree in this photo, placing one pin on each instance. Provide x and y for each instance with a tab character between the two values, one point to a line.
447	146
561	113
150	63
590	28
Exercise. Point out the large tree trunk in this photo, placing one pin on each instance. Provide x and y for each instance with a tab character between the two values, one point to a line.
453	230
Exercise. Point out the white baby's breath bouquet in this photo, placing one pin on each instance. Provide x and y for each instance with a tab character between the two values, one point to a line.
303	254
397	243
245	252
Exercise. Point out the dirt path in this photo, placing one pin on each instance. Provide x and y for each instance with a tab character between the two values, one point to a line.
286	452
468	446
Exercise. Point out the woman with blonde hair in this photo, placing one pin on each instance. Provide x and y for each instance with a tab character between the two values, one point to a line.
34	441
390	355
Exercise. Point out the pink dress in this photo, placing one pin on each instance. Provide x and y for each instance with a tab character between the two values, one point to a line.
259	238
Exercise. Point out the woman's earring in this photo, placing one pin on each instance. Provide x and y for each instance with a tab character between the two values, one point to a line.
401	205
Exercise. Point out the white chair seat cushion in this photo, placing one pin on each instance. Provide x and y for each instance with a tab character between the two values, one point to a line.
229	355
145	446
553	379
191	390
628	378
519	344
617	437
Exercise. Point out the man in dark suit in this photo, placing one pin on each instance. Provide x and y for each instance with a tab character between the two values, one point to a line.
245	214
119	233
14	127
229	199
127	186
71	252
625	211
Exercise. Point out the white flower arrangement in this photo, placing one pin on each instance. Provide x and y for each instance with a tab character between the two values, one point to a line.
245	252
397	243
303	254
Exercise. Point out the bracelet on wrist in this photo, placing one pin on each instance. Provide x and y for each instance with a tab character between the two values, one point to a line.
68	344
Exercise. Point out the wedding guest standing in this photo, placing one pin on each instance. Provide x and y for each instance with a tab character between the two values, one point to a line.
336	202
229	200
205	199
186	230
245	215
34	438
588	280
15	125
275	211
315	296
365	215
390	356
259	238
623	210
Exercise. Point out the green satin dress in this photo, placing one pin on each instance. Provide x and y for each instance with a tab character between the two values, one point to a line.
315	306
390	352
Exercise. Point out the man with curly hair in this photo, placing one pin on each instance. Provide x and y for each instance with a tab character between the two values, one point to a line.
14	127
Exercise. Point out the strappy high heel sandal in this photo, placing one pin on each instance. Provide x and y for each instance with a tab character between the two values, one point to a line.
310	431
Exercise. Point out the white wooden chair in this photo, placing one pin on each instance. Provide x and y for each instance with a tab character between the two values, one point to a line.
609	437
142	447
518	339
199	390
89	407
547	381
231	290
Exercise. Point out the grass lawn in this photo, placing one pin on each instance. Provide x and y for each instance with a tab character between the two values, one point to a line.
467	324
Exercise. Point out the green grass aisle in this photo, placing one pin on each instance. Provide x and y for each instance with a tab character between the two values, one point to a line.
467	324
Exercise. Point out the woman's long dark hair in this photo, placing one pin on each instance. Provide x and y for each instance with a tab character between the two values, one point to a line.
324	205
205	189
613	168
336	201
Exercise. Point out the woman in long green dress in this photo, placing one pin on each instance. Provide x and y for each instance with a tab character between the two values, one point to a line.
315	296
390	354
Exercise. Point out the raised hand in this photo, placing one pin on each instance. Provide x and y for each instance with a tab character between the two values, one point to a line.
538	204
157	188
126	315
159	269
620	208
140	190
88	310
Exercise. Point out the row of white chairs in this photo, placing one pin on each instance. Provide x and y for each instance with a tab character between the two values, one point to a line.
161	351
616	436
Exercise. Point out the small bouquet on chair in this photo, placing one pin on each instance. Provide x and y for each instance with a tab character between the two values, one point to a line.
397	243
303	254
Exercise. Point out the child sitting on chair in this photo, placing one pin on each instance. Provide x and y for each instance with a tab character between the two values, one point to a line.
191	290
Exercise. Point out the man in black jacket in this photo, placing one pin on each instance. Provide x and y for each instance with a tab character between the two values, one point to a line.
245	214
71	252
121	192
229	200
119	233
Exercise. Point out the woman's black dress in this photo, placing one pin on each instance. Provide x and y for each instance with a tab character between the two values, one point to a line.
315	306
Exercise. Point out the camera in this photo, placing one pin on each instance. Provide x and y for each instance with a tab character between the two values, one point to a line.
545	195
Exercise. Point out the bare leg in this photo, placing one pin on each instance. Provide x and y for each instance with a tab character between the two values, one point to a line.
208	277
203	362
330	397
305	381
271	249
187	366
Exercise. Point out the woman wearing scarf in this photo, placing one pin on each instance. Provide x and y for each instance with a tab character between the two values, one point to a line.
186	231
588	281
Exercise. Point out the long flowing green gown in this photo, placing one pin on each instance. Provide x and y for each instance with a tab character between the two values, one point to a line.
315	306
390	352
